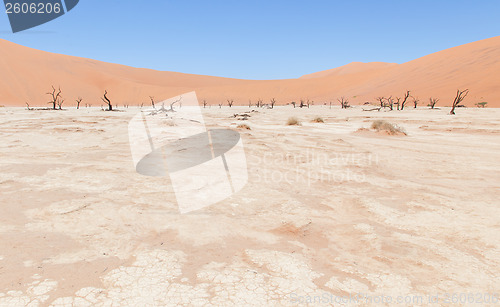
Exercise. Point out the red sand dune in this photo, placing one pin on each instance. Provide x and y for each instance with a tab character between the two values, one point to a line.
27	74
351	68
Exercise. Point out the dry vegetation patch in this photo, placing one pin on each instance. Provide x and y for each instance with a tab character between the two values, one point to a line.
293	121
390	128
244	126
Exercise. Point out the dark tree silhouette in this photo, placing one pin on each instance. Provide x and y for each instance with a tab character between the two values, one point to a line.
152	101
273	102
78	101
55	97
433	102
415	102
344	102
60	103
405	100
458	99
107	101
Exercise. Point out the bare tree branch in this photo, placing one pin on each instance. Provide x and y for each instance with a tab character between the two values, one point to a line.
458	99
107	101
78	101
56	95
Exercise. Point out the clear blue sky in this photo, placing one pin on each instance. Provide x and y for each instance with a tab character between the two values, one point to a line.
260	39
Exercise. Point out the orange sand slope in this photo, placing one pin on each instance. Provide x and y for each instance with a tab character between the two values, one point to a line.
27	74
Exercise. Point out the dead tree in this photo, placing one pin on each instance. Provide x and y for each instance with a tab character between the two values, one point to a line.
458	99
390	103
260	103
78	101
56	96
60	103
381	100
344	102
107	101
398	103
308	103
302	103
433	102
152	101
249	103
204	103
415	102
230	102
330	105
220	105
407	95
293	104
28	106
273	102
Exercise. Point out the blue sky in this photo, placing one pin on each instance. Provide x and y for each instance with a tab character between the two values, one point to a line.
260	39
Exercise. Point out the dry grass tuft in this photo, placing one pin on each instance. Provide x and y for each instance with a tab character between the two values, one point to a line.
392	129
293	121
244	126
318	120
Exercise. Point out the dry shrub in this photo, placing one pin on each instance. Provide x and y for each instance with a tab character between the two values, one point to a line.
382	125
244	126
318	120
293	121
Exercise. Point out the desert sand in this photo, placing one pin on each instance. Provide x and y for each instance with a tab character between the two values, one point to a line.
329	210
27	74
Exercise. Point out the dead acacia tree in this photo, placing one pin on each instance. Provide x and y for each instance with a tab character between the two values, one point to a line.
302	103
152	101
398	103
249	103
415	102
390	103
381	99
107	101
60	103
78	101
55	97
220	105
433	102
28	106
204	103
294	104
260	103
273	102
344	102
458	99
407	95
230	102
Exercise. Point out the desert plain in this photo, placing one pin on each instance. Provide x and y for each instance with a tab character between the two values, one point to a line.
333	213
